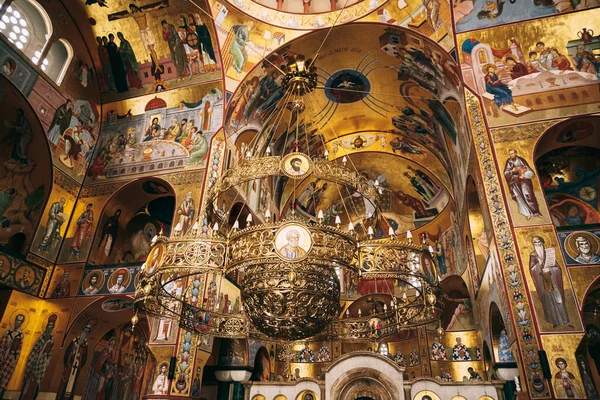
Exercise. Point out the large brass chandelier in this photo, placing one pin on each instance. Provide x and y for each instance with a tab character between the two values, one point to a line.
288	266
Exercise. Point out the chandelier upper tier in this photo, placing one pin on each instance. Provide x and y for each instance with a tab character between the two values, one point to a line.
289	268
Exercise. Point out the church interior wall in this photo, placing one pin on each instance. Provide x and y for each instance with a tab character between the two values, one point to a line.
120	152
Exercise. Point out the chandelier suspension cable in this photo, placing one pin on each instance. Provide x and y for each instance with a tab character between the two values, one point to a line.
347	155
328	33
313	104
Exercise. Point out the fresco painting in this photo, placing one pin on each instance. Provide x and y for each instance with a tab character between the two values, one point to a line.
25	170
153	47
57	214
478	14
167	133
548	280
570	177
65	280
524	78
97	281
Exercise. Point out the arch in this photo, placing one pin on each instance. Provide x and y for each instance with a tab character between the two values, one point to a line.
146	205
355	373
31	16
99	327
307	395
426	395
567	162
58	60
262	365
26	173
480	242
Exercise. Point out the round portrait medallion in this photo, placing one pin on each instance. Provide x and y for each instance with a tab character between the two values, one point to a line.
375	328
119	281
583	247
293	242
92	282
296	165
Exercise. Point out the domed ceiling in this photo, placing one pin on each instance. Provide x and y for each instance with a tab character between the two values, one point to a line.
387	102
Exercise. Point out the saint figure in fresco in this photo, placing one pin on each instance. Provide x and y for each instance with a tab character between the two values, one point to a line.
74	360
93	285
565	384
518	175
195	392
109	233
585	255
102	371
588	382
38	360
60	122
460	352
205	43
161	383
548	281
438	351
116	64
119	287
20	136
83	232
186	213
10	351
493	85
504	352
130	63
63	288
170	35
56	217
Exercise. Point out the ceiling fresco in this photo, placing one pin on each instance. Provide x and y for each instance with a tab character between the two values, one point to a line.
202	41
388	90
411	196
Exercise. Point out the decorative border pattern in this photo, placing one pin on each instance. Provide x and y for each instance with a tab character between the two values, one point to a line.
527	337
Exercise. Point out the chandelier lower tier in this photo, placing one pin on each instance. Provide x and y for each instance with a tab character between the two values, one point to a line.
291	269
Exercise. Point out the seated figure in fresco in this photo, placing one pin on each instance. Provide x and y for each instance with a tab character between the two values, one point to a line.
493	85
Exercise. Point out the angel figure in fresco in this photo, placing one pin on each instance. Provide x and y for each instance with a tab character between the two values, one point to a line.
565	384
460	352
10	351
38	360
548	281
438	351
237	48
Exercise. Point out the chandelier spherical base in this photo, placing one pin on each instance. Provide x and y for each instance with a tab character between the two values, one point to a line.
290	301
